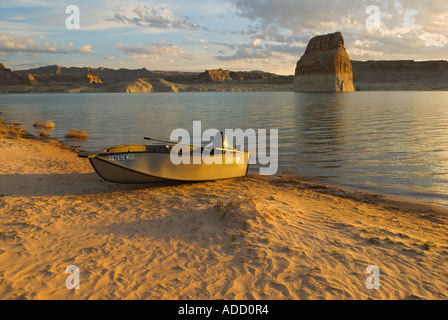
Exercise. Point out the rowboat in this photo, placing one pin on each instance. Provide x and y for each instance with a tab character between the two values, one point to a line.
151	163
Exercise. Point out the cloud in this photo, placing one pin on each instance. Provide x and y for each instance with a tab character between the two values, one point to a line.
11	44
225	44
258	51
154	49
192	40
256	43
87	49
297	15
14	44
159	16
18	17
408	28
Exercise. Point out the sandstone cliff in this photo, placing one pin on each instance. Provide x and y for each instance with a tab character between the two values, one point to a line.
325	66
153	85
215	75
137	85
252	75
400	75
65	79
226	75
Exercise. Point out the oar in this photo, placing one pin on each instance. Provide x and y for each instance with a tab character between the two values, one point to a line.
189	145
169	142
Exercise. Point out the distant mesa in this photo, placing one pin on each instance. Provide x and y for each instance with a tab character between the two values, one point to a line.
95	75
256	75
216	75
10	78
325	66
55	78
400	75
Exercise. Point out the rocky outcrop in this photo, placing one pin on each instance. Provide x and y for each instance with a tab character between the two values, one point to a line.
10	78
325	66
139	85
93	79
152	85
215	75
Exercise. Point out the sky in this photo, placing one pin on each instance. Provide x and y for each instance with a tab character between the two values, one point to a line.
238	35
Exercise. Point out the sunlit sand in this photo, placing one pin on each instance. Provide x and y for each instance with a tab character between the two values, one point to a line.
247	238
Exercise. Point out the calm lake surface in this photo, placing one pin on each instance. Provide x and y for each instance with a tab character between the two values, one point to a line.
392	143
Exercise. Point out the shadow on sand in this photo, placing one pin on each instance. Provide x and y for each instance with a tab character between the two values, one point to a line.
68	184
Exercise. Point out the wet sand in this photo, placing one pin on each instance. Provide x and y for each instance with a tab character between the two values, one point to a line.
248	238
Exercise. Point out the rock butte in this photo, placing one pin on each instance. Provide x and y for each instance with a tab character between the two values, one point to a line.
325	66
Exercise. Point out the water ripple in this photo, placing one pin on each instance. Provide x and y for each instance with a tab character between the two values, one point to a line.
385	142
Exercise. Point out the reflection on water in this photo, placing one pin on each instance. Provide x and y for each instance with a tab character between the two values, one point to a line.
386	142
390	142
320	128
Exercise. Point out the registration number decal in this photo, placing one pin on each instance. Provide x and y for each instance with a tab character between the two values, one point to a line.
121	157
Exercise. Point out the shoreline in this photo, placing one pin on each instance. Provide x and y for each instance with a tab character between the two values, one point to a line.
376	87
13	130
256	237
396	197
336	190
154	86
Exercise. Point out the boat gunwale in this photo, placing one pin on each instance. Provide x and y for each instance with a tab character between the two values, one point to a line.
95	154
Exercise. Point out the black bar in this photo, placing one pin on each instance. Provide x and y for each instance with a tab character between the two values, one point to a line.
225	309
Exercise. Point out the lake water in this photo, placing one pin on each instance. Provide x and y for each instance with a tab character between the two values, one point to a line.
392	143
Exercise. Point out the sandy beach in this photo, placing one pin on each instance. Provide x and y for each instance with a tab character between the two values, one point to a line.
248	238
